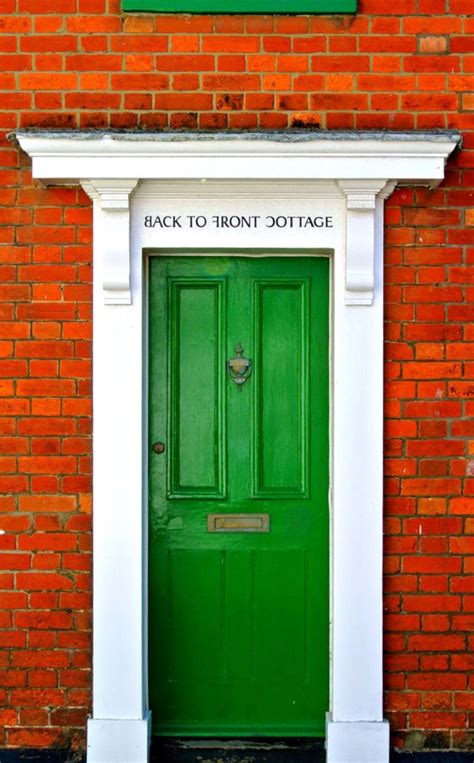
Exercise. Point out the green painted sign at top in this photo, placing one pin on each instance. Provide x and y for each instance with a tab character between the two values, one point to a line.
241	6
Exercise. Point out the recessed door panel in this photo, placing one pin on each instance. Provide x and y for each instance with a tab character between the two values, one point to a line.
197	371
238	525
281	347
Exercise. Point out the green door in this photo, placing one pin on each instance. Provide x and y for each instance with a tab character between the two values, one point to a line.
238	531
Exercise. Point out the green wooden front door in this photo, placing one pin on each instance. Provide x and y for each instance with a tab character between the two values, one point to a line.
239	625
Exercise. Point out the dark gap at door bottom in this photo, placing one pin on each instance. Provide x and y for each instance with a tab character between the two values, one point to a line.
165	750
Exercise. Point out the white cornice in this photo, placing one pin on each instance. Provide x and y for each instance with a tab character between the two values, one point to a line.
64	158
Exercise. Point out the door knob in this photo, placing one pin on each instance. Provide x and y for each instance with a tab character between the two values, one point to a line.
158	447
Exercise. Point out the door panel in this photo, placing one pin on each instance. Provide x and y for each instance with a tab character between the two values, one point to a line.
196	364
280	385
238	640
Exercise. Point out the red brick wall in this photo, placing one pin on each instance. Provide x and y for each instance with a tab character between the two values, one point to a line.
407	64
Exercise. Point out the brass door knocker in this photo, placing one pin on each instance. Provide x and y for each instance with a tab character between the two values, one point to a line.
239	368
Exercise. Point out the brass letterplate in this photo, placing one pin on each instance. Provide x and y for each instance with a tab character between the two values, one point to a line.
238	523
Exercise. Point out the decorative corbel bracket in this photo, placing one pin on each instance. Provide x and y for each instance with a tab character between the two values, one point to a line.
112	236
361	209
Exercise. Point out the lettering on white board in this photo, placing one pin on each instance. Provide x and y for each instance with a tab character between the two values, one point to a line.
236	222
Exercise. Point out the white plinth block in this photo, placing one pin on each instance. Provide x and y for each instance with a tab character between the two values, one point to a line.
118	741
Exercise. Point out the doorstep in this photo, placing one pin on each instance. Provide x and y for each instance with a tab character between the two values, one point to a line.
237	751
217	751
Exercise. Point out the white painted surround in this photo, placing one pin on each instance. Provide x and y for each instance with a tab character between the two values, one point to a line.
342	176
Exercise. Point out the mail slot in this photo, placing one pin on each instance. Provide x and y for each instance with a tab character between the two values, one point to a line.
238	523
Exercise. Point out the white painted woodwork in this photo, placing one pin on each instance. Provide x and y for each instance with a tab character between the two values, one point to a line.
112	226
346	176
361	198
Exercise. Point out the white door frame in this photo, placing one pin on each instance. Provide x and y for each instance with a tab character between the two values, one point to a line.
350	174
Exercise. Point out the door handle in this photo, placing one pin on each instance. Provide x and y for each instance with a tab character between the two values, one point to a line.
158	447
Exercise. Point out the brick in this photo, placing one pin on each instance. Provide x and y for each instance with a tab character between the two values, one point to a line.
45	349
460	83
48	542
385	82
229	44
435	448
14	561
433	44
314	44
183	101
401	622
231	82
395	44
37	697
33	581
385	25
436	623
433	526
436	643
138	24
12	639
96	43
431	564
438	720
464	701
432	370
130	43
45	387
49	43
89	24
461	545
35	737
141	82
92	101
48	81
185	43
432	603
437	681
